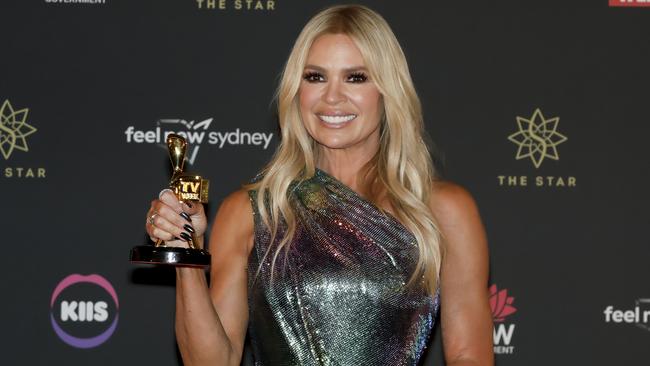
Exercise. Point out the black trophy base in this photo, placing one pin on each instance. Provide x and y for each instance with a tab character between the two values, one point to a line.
173	256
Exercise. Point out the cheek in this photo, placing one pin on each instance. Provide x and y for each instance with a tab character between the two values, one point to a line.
370	102
307	96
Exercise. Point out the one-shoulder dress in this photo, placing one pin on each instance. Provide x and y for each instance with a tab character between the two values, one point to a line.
339	295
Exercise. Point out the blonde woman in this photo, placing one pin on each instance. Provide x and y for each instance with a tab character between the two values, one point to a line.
342	250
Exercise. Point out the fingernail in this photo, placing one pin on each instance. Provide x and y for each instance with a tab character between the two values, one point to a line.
188	204
185	236
163	192
177	238
185	216
189	228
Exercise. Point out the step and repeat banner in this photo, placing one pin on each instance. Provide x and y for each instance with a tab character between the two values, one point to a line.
539	108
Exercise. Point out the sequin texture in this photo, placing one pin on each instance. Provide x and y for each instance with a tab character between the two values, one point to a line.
338	296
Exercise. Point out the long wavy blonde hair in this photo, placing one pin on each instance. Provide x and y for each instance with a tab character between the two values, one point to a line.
400	174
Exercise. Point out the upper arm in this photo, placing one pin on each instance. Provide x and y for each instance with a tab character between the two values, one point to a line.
465	313
230	244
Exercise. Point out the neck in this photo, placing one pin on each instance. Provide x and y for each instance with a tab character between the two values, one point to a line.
344	165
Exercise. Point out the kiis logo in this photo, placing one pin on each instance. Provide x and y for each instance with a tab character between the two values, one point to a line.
537	138
639	315
84	310
501	305
268	5
196	134
629	2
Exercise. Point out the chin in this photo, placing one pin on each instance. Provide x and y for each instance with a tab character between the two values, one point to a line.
332	143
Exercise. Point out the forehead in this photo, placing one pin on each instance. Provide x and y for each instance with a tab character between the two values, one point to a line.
335	51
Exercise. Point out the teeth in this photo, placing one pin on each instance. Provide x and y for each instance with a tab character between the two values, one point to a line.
337	119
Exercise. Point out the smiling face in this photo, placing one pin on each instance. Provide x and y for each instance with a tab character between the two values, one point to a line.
340	105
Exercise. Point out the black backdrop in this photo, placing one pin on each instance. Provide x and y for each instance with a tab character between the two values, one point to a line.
514	92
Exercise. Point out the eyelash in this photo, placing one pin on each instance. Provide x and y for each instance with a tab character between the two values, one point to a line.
358	77
355	77
312	77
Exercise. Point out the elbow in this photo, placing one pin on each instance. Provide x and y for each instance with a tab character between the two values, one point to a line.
197	351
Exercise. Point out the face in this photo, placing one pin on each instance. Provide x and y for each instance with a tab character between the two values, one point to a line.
340	105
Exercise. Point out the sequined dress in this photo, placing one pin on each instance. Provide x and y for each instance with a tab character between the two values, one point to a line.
338	296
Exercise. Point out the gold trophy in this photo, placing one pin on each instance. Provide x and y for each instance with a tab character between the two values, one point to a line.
186	188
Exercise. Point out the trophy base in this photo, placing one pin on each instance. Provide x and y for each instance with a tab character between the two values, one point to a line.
173	256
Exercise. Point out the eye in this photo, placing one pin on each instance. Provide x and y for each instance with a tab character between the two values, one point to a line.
357	77
313	77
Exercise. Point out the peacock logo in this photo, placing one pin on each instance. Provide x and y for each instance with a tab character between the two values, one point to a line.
501	304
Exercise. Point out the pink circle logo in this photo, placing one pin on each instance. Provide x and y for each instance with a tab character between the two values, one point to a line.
80	310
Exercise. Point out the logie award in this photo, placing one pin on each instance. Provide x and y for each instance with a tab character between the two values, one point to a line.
186	187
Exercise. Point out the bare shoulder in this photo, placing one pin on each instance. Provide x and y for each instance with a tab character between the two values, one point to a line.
451	204
234	219
237	203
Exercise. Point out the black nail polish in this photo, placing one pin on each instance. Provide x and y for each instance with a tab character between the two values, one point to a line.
189	228
185	236
185	216
188	204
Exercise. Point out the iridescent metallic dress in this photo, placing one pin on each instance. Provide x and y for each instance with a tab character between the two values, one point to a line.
338	297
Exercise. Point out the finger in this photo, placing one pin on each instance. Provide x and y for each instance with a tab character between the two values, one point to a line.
159	209
167	230
169	198
192	208
158	233
150	228
163	192
164	218
169	208
181	221
173	242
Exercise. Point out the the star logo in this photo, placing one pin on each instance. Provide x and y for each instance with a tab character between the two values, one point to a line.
13	129
537	138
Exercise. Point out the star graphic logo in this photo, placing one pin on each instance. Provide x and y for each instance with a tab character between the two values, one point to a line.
537	138
13	129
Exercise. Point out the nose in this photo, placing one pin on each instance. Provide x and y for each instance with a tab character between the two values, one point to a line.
334	93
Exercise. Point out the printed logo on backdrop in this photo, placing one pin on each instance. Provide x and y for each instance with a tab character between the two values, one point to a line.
503	332
75	2
15	131
84	310
237	5
197	134
537	140
620	3
638	315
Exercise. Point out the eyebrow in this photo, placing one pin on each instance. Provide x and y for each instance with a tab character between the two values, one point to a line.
347	69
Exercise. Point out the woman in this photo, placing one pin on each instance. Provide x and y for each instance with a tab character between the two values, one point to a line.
334	254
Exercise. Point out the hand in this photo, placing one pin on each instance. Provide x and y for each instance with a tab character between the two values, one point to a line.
173	222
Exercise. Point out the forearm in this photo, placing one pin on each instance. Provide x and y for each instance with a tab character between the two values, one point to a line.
201	337
467	362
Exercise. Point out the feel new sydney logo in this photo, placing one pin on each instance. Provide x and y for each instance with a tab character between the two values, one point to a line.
537	140
197	135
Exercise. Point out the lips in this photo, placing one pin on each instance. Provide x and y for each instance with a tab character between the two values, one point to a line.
337	119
